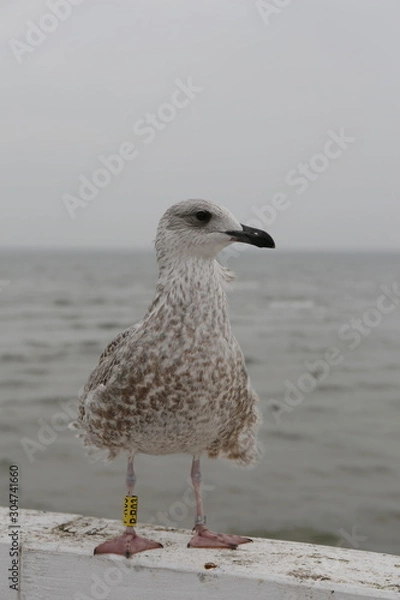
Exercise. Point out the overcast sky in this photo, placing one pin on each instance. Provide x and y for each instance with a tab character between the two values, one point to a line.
291	119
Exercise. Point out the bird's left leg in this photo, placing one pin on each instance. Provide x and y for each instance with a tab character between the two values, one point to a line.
129	542
204	538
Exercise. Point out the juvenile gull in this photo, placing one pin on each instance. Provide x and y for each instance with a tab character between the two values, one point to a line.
176	382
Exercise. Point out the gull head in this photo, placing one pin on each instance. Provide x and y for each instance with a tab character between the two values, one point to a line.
201	229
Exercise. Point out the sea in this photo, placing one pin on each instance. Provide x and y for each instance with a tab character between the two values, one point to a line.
321	337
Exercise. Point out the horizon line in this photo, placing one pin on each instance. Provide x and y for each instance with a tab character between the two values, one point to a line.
329	249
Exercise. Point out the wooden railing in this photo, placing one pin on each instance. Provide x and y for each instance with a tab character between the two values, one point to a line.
56	562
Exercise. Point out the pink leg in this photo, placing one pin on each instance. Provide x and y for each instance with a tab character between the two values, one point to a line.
204	538
129	542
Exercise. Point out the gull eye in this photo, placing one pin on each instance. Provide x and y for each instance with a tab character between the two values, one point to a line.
203	215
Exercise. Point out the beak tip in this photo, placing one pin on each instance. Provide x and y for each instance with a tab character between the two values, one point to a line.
253	236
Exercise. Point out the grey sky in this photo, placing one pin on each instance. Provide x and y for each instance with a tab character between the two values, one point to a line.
271	92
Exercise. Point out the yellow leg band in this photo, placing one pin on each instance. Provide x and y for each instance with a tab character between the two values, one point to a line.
130	511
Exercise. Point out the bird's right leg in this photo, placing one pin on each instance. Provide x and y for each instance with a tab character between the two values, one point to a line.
129	542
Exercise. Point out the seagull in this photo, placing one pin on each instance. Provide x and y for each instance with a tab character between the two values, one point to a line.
176	382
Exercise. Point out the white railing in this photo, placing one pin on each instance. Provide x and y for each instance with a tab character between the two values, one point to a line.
56	562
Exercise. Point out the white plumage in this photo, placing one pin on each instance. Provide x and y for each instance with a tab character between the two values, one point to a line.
176	381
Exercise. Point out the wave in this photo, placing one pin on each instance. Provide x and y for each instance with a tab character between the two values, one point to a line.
251	360
292	304
13	357
110	325
299	534
287	435
15	383
366	470
332	387
377	386
245	285
63	302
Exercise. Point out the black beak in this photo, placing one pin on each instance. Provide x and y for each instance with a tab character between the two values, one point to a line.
250	235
